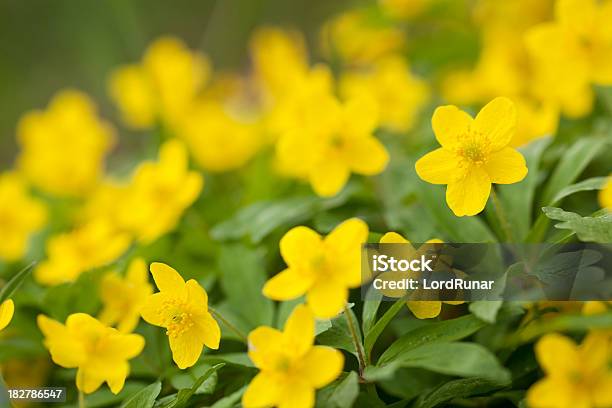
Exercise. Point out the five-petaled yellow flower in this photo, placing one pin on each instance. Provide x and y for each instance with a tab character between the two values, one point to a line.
7	308
422	309
576	376
20	216
124	296
474	154
100	353
322	268
182	308
291	367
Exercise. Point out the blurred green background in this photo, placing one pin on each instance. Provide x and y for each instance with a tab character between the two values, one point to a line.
47	45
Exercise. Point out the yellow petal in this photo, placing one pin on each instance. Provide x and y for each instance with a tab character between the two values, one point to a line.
550	347
577	15
425	309
7	308
208	329
300	245
298	332
65	349
548	393
264	342
393	238
327	298
167	278
448	123
116	379
137	271
287	285
605	195
297	394
361	115
506	166
347	236
153	310
497	121
186	349
196	295
468	195
366	155
124	346
88	381
321	365
438	167
594	351
329	177
602	391
263	391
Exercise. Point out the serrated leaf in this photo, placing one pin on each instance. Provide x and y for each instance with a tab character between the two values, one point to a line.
590	229
444	331
451	358
13	284
341	393
144	398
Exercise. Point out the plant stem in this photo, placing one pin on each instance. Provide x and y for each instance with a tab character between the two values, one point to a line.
230	326
501	214
356	342
81	399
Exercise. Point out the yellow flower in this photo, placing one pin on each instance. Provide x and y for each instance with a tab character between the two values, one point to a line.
100	353
338	142
573	52
181	308
123	297
63	148
473	155
322	268
576	376
534	120
595	307
605	195
291	367
279	59
217	139
159	193
92	245
20	216
399	94
359	39
7	308
162	87
422	309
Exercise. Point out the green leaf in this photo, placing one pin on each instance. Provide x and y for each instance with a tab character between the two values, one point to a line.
590	229
242	278
458	229
571	165
595	183
13	284
186	378
339	334
239	359
572	323
444	331
182	397
370	308
517	199
231	400
144	398
341	393
462	388
380	325
261	218
459	359
486	309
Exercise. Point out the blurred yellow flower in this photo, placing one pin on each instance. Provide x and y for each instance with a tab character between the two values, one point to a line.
217	139
358	39
400	95
279	58
576	376
338	142
181	308
7	308
572	53
162	87
534	119
291	367
100	353
123	297
159	193
21	215
473	155
63	147
596	307
92	245
322	268
422	309
605	195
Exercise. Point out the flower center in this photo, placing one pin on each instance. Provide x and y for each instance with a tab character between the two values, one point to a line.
473	147
283	363
178	318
